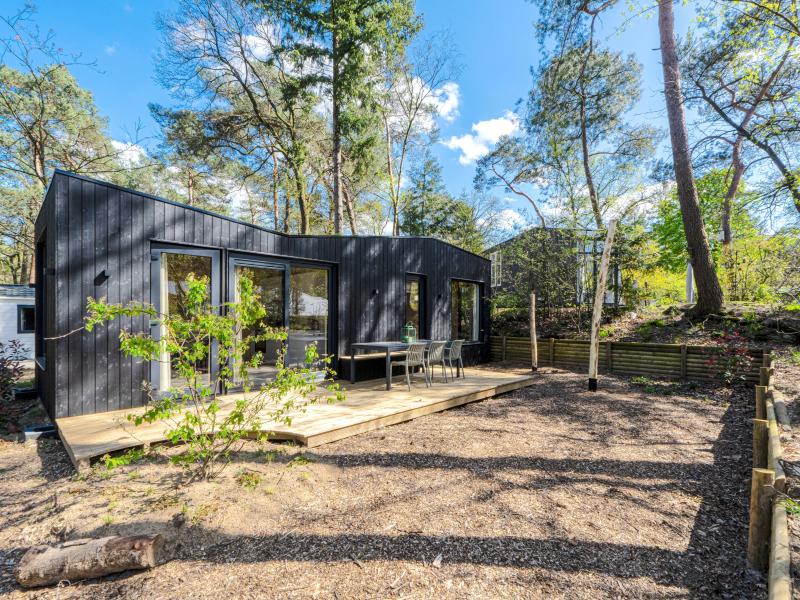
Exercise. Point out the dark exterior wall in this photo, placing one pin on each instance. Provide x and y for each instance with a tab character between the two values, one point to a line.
91	226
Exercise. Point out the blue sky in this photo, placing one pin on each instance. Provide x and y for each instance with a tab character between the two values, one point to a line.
495	40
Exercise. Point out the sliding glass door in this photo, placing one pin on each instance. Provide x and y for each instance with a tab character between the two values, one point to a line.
170	274
269	282
296	297
308	312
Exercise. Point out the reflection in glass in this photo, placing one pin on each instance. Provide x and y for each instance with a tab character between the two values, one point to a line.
413	299
175	270
308	312
268	287
465	302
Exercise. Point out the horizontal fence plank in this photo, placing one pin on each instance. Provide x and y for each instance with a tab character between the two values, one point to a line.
670	361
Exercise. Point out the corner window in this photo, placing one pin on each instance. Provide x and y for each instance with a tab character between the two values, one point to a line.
26	319
415	303
465	310
496	259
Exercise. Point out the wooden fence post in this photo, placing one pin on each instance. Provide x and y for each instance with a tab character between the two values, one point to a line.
503	352
552	352
767	359
761	492
534	348
684	362
761	402
597	312
765	376
760	443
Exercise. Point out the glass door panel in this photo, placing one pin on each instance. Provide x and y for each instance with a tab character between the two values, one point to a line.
308	312
175	271
268	285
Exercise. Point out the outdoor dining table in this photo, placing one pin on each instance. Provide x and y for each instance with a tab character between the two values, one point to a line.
388	347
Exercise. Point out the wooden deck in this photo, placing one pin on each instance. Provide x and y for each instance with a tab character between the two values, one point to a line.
368	406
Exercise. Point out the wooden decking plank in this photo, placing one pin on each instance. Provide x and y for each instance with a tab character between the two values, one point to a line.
368	406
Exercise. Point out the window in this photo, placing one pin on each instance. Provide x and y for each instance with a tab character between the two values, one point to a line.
268	285
465	310
26	319
170	273
497	268
415	304
308	312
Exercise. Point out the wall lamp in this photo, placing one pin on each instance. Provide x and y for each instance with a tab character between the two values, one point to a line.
375	292
102	277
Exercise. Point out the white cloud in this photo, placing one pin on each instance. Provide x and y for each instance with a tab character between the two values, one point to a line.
446	100
486	134
129	155
509	219
111	50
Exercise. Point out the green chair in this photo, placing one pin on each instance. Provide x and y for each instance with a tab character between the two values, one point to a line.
415	357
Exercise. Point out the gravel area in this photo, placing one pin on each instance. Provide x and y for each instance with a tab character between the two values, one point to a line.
637	491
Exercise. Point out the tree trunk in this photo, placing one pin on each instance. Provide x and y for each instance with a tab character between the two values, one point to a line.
709	291
587	170
300	186
730	194
88	558
275	192
349	205
337	134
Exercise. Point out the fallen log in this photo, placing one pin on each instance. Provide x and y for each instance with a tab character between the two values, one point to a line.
88	559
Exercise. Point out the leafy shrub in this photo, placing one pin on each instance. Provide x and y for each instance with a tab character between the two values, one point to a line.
733	362
193	415
11	356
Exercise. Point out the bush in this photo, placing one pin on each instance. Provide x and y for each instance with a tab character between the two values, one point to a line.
11	356
193	414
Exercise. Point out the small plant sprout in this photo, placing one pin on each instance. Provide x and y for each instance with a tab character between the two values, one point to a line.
299	461
209	429
249	480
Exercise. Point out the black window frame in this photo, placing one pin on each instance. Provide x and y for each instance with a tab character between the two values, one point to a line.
423	302
20	309
156	250
479	304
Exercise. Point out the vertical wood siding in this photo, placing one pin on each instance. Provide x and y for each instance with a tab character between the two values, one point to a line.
91	227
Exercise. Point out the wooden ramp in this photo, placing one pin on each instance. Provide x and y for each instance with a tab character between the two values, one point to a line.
368	406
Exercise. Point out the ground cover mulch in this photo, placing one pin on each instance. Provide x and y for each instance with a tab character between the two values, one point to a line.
637	491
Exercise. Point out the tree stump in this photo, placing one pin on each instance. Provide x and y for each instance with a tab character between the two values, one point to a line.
88	558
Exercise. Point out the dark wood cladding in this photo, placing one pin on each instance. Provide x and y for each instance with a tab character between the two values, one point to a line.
89	226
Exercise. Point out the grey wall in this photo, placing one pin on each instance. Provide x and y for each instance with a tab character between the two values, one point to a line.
90	226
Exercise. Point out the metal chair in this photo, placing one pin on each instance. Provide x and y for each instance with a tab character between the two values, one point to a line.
436	357
452	355
415	357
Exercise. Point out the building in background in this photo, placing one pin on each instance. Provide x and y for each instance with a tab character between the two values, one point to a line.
18	315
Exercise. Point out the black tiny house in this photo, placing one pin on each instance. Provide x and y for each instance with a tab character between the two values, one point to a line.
97	239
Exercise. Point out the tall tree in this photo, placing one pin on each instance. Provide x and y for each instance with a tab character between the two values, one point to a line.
189	159
513	166
578	107
257	109
709	292
414	92
47	121
345	38
746	77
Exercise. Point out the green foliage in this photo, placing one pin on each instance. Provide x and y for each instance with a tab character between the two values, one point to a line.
300	460
428	210
668	229
210	430
12	353
249	480
130	456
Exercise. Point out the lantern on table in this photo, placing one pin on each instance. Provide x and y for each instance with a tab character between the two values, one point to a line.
409	333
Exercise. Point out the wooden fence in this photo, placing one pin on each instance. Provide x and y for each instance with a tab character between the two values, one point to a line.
669	361
768	531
